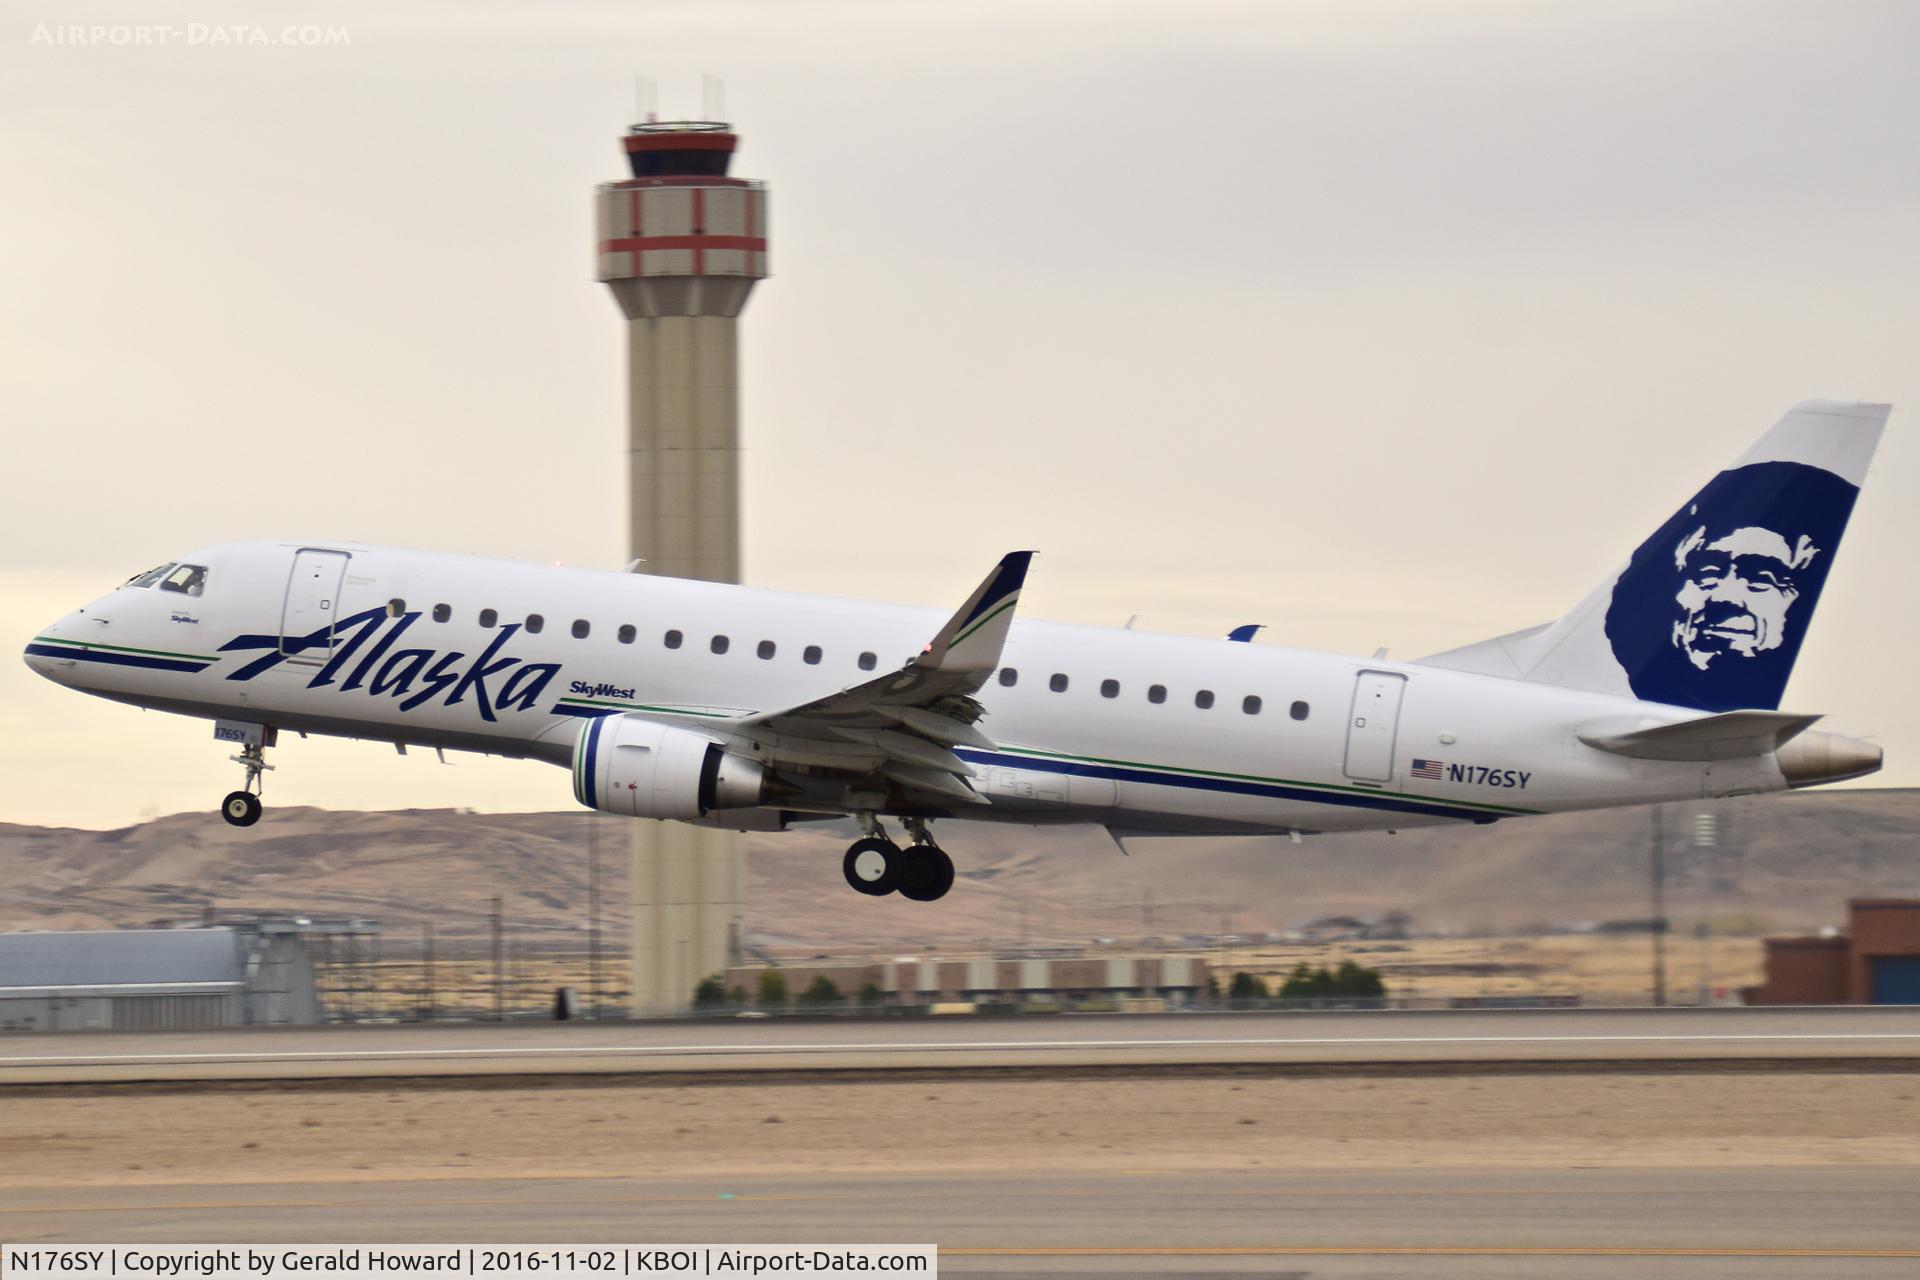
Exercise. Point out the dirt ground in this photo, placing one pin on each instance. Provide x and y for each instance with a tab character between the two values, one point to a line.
1115	1126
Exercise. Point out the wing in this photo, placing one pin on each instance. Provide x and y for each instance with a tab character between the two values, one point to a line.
905	724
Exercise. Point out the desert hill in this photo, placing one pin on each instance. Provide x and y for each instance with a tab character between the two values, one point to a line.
1788	862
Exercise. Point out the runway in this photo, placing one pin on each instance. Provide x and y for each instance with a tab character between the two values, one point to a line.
1889	1035
1751	1143
1686	1224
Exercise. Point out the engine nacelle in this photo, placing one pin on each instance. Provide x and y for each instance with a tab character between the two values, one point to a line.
643	769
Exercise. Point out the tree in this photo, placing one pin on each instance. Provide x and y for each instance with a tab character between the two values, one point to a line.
710	994
1247	987
871	996
1353	980
1307	983
821	994
773	989
1350	981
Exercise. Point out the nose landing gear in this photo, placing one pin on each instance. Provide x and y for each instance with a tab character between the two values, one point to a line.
242	808
876	866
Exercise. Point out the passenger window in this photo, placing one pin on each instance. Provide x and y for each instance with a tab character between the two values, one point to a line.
1298	711
1251	704
187	579
868	661
1204	699
1059	682
396	607
1156	694
580	628
672	639
1009	676
765	650
488	617
442	612
626	634
535	623
148	578
811	655
719	644
1109	688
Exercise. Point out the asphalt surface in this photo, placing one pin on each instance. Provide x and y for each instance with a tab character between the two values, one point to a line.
1889	1035
1686	1224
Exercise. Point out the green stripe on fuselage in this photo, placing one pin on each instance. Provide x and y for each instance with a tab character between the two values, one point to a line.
1279	782
121	648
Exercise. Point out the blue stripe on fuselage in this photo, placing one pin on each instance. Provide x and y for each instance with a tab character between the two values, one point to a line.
115	659
1231	786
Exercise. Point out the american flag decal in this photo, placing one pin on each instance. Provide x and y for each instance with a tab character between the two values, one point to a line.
1432	770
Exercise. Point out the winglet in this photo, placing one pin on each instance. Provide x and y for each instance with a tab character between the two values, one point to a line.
1245	633
973	637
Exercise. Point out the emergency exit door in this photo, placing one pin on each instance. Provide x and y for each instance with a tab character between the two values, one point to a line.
1373	724
313	604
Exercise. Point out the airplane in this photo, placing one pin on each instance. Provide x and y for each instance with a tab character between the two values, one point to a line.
752	710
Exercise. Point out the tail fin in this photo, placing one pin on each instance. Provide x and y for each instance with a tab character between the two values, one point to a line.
1709	611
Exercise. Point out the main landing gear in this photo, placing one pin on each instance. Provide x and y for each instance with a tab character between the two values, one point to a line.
242	808
876	866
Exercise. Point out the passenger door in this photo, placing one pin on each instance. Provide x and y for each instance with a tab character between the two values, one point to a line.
1373	724
312	604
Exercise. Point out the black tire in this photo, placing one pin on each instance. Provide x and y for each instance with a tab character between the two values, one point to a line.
859	860
240	808
928	873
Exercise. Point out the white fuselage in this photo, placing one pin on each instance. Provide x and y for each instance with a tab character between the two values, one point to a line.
458	664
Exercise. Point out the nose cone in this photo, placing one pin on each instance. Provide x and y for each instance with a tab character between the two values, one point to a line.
44	654
1814	757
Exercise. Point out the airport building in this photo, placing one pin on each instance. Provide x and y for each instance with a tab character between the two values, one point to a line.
156	980
681	243
1876	961
1176	980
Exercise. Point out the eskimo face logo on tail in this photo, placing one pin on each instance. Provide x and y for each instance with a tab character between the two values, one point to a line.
1711	610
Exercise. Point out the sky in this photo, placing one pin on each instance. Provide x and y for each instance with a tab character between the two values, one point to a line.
1382	324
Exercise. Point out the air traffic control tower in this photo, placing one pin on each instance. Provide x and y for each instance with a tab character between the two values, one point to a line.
681	244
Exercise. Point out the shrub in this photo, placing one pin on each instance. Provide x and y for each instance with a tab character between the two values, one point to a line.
710	994
821	994
1246	986
773	989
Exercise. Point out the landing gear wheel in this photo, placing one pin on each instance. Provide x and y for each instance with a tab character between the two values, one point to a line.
241	808
872	866
927	873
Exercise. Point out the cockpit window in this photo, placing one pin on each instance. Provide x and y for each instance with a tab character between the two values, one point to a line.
188	579
148	578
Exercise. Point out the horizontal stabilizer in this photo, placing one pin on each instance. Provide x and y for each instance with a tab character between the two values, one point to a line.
1731	735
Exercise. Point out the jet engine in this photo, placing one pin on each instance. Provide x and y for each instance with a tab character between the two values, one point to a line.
642	769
